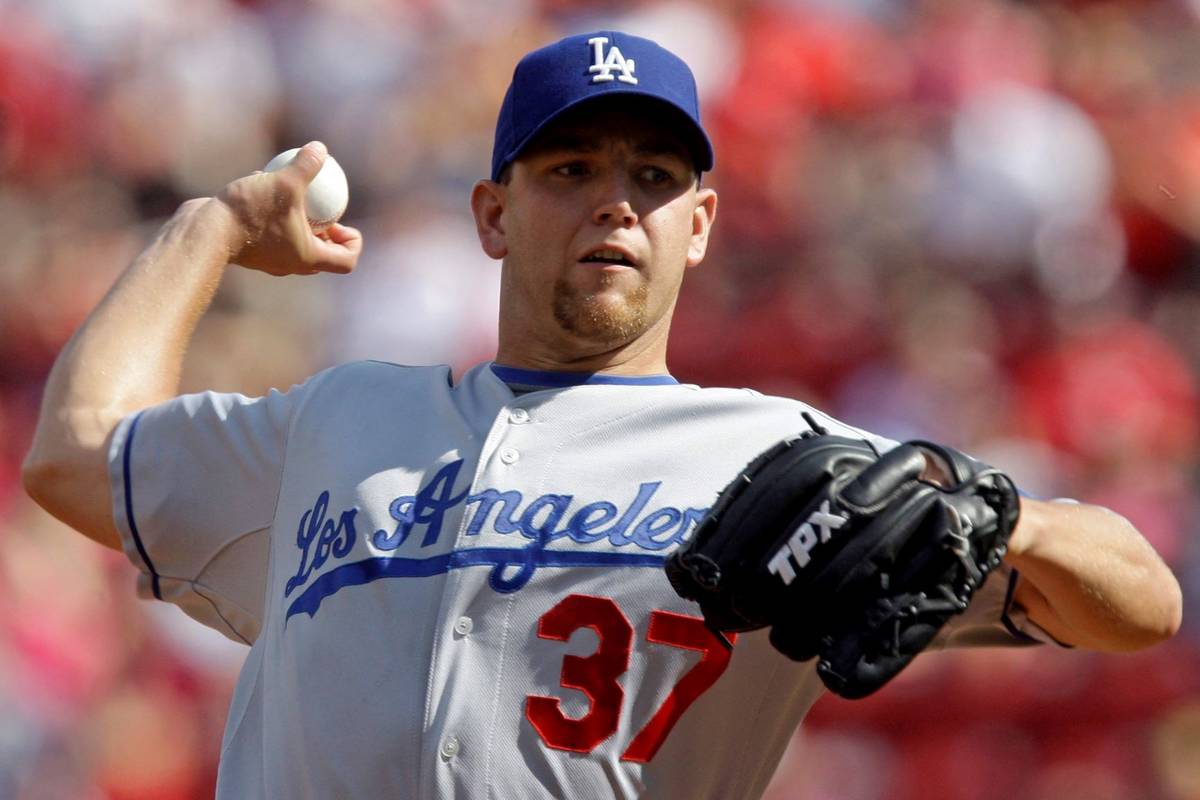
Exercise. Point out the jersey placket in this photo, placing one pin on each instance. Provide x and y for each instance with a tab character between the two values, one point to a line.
464	680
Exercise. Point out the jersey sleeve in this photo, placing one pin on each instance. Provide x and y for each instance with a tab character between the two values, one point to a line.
993	619
195	481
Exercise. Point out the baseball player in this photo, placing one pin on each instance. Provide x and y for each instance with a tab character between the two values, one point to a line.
453	587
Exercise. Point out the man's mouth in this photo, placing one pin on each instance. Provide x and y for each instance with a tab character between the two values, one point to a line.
608	255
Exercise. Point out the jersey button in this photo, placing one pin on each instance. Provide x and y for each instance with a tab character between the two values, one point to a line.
449	748
463	625
518	416
509	455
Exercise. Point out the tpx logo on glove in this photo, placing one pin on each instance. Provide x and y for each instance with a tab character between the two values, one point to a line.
801	543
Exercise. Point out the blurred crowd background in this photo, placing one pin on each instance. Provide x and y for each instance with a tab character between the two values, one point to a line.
969	220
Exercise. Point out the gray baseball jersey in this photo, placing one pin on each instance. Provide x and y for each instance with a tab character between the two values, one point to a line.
457	590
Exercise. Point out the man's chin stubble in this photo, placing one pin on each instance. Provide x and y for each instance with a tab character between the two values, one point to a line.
588	317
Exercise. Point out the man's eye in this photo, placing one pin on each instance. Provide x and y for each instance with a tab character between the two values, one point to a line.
656	176
574	169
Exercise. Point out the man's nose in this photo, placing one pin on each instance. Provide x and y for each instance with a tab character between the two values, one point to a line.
614	205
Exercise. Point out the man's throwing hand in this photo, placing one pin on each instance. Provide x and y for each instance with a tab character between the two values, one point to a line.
270	232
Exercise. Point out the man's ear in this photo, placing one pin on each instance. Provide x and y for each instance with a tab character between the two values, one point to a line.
703	216
487	205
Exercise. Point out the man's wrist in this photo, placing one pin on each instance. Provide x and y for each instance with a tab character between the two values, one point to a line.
1028	528
212	220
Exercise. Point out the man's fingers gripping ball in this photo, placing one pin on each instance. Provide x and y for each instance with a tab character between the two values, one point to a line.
848	556
338	248
273	212
327	191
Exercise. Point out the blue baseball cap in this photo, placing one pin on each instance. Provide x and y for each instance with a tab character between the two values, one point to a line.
578	69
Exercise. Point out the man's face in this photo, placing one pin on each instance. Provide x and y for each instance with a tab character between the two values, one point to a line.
601	216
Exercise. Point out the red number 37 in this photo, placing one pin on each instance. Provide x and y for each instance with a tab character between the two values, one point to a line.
597	675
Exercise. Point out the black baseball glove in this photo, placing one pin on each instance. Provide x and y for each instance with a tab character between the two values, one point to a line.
848	556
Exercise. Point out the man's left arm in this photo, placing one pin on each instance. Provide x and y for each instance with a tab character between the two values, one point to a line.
1088	578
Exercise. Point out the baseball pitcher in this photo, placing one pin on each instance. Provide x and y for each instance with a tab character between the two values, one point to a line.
556	575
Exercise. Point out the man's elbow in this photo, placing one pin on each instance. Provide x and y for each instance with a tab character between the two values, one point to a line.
75	492
1163	614
1173	607
40	476
1164	595
1155	612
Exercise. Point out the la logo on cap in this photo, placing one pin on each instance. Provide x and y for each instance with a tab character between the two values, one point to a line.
603	67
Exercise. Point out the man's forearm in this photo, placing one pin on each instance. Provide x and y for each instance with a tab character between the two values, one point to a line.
127	355
1091	579
129	352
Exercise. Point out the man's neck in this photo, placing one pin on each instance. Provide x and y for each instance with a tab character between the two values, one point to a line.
645	355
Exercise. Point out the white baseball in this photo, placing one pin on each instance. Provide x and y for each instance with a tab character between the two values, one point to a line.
327	195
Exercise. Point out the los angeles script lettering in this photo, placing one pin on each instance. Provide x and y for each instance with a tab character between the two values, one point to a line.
541	520
318	538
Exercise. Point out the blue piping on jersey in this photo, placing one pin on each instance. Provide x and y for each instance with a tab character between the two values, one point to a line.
1009	596
1006	620
499	558
137	539
559	380
1020	635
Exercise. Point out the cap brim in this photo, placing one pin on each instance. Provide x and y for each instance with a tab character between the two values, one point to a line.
703	153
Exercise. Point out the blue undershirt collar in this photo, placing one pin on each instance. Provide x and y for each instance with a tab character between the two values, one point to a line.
559	380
